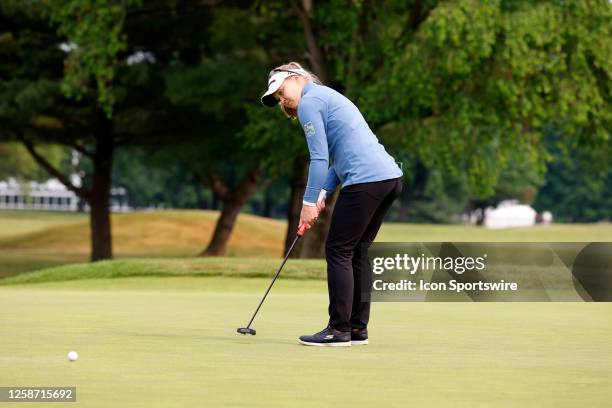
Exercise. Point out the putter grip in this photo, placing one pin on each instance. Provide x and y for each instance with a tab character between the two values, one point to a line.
301	230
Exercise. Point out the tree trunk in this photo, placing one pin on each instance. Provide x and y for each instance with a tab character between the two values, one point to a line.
98	196
232	203
99	216
268	204
298	186
223	229
314	54
101	240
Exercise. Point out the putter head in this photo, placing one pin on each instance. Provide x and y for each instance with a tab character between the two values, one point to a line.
246	330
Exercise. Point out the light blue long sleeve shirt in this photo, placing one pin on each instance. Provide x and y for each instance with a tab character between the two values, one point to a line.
336	132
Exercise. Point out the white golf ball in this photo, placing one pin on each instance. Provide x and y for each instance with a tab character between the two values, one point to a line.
73	355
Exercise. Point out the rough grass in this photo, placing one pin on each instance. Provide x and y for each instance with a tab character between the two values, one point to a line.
14	223
161	233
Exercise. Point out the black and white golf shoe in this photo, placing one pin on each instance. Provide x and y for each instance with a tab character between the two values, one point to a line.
328	337
359	337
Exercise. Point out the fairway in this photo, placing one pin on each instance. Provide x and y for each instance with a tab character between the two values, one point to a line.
171	341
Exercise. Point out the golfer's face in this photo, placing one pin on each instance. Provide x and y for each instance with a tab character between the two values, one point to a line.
289	93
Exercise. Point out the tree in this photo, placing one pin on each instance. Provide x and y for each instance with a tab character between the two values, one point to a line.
249	146
35	107
69	76
575	190
152	178
476	82
223	76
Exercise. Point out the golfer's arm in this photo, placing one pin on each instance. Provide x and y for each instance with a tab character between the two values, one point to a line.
316	177
311	112
332	180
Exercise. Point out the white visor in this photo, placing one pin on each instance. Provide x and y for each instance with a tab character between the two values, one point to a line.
274	82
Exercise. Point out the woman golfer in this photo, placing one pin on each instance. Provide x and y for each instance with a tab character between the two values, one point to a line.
370	180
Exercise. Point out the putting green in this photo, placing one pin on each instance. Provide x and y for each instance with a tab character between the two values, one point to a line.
172	342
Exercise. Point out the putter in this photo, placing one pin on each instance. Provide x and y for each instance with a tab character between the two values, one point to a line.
248	329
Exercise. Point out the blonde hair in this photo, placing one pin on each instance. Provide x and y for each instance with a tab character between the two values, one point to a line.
290	112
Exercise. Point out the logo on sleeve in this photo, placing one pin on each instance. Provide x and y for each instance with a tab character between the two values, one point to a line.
309	129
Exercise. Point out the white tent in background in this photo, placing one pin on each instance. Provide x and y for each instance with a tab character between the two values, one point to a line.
48	196
509	214
51	196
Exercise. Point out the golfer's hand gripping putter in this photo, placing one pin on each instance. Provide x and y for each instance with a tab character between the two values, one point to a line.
301	230
248	330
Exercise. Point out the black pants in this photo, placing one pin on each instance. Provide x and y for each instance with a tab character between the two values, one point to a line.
356	219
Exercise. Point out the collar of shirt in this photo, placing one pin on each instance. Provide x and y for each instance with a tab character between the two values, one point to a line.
309	85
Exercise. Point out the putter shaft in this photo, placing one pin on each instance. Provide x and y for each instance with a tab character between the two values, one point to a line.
300	233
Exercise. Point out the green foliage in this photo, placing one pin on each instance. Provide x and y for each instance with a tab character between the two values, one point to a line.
21	100
275	139
436	196
480	79
575	190
16	162
29	63
225	84
94	30
442	198
218	85
151	180
464	87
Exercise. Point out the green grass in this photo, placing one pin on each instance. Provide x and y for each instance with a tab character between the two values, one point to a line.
171	342
207	267
559	286
160	332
